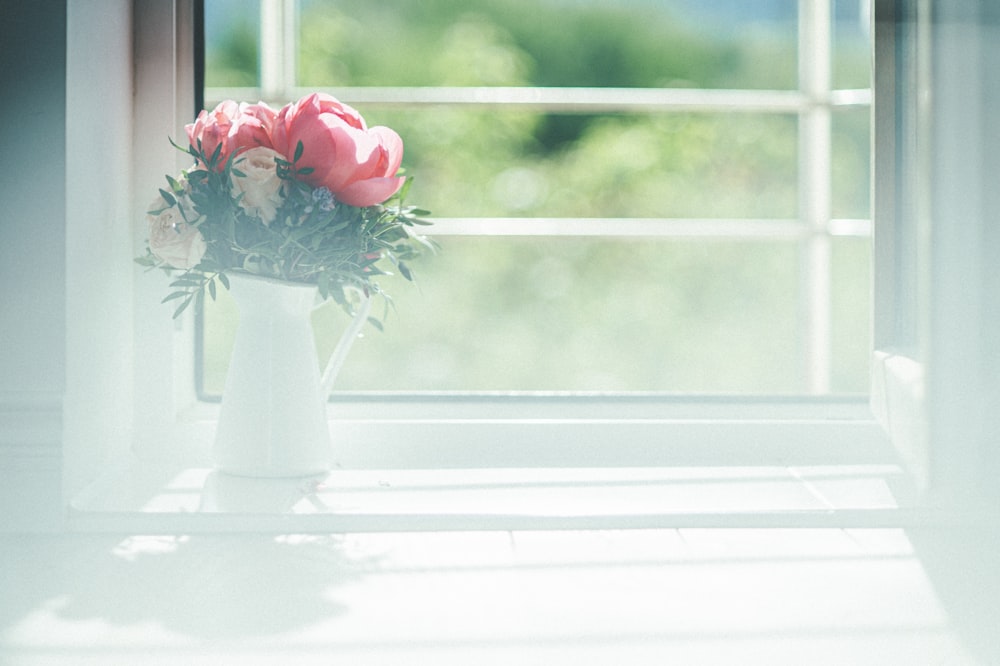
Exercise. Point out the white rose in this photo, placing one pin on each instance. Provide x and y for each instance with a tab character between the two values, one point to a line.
171	239
260	186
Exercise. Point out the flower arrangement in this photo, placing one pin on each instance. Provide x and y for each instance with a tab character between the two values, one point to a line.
308	193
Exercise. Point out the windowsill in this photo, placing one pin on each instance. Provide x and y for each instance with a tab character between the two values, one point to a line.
419	474
202	499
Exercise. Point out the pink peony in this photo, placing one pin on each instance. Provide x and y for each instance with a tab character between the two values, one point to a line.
235	127
356	163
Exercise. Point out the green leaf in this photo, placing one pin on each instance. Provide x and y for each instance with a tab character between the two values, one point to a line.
211	289
216	153
323	284
376	323
182	307
304	171
299	148
337	227
168	197
188	280
187	149
404	190
224	279
174	296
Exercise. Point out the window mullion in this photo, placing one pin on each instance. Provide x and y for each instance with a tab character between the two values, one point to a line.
565	99
749	229
277	48
814	189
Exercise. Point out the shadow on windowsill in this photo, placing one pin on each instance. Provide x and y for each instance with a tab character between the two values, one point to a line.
218	587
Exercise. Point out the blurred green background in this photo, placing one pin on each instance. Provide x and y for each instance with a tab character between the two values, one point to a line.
512	313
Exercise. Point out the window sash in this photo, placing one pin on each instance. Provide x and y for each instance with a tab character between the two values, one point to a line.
814	103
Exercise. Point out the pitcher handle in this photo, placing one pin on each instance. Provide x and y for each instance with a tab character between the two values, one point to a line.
343	347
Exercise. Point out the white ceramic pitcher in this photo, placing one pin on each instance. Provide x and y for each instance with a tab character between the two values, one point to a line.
273	421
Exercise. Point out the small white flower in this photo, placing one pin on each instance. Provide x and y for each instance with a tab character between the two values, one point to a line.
260	184
171	239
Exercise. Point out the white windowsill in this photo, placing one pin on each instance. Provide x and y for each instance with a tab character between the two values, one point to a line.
658	464
201	499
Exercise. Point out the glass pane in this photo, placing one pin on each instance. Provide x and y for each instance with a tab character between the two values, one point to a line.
678	43
851	44
850	169
574	314
490	163
232	36
851	315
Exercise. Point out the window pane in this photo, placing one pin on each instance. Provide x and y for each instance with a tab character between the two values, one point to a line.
850	168
684	43
495	163
576	314
232	38
851	315
851	44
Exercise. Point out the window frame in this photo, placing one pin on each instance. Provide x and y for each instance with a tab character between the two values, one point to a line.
492	413
899	122
934	386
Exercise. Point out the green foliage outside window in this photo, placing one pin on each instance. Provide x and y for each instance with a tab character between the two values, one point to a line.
533	313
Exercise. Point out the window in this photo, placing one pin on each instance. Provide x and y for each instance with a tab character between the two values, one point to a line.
128	373
560	434
666	205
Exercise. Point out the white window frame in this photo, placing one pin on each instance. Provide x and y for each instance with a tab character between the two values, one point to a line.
935	363
140	377
814	230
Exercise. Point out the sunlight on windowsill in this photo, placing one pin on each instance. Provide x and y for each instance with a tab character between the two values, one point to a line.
509	498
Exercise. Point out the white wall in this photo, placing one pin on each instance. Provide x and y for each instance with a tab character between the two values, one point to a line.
959	245
65	251
32	257
100	221
32	201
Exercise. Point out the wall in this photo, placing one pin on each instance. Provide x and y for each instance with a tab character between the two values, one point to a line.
100	225
32	256
66	244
